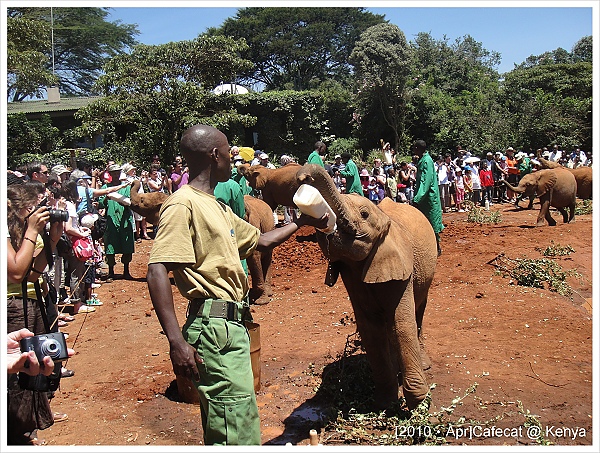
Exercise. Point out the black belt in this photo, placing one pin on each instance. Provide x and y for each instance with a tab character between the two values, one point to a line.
219	308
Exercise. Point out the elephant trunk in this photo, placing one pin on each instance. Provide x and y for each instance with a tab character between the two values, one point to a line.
517	189
317	177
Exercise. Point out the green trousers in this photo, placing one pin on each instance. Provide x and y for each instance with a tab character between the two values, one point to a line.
226	387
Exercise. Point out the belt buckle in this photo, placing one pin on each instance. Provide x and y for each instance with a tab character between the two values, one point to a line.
231	311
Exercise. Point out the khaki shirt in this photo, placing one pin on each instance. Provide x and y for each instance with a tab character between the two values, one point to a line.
208	240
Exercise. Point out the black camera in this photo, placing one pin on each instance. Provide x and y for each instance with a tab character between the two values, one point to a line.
58	215
53	345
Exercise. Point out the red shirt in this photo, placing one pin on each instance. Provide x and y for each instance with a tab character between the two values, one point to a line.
487	180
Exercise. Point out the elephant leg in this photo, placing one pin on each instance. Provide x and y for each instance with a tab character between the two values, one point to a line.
531	200
265	261
375	330
571	212
545	213
414	383
565	215
256	274
420	311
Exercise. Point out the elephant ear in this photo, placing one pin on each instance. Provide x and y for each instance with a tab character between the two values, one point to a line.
391	259
546	182
260	178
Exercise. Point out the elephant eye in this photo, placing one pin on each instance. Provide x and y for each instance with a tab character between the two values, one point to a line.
364	214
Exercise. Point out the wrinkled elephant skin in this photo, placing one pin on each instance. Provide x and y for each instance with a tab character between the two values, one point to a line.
386	255
555	187
259	214
277	186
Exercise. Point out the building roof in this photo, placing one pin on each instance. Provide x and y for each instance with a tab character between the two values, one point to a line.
44	106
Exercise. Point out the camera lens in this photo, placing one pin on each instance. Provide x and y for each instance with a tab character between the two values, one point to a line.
58	215
51	348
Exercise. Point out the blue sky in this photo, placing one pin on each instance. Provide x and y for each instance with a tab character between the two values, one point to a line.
515	31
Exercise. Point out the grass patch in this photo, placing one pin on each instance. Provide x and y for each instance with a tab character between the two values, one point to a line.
477	214
536	273
556	250
583	207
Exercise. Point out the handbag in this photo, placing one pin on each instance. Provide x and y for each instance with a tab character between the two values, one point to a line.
64	246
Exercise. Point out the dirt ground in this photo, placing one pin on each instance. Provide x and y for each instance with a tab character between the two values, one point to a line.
517	344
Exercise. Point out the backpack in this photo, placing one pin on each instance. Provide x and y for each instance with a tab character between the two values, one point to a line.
83	249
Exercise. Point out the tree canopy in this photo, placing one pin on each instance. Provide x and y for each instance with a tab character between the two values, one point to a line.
83	42
297	48
155	92
382	63
27	61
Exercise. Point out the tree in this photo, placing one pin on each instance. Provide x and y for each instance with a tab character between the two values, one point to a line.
83	42
454	95
35	136
26	62
583	50
154	93
382	60
297	48
551	103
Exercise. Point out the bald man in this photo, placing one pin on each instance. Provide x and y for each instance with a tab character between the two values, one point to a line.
202	241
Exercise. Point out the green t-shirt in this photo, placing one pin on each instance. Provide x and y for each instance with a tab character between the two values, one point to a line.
209	240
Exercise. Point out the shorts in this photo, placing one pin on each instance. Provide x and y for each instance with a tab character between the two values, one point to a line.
89	275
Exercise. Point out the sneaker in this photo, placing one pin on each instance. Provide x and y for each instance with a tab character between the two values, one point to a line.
93	301
85	309
461	210
96	285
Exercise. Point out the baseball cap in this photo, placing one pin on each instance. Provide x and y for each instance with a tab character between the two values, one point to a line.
113	167
79	174
59	170
364	172
337	156
88	220
127	167
263	156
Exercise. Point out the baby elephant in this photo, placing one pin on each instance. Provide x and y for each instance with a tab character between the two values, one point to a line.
555	187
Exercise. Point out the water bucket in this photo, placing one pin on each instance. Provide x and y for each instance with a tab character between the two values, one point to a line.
310	202
187	390
254	331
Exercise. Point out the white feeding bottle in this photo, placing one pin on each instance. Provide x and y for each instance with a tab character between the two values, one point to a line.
310	202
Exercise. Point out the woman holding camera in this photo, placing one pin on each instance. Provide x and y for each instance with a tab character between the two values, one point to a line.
28	253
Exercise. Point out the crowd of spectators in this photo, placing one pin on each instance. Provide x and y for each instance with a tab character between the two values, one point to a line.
54	281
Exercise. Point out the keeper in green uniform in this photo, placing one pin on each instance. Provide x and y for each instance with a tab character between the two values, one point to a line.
427	194
201	241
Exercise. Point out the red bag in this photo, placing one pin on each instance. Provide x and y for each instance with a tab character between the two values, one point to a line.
83	249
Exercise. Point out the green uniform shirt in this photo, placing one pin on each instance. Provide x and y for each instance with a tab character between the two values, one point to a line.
353	184
315	158
427	192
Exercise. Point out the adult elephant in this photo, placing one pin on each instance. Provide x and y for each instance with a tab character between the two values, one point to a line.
386	255
277	186
259	214
555	187
583	177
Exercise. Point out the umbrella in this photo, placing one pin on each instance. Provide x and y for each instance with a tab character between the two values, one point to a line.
247	153
470	160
